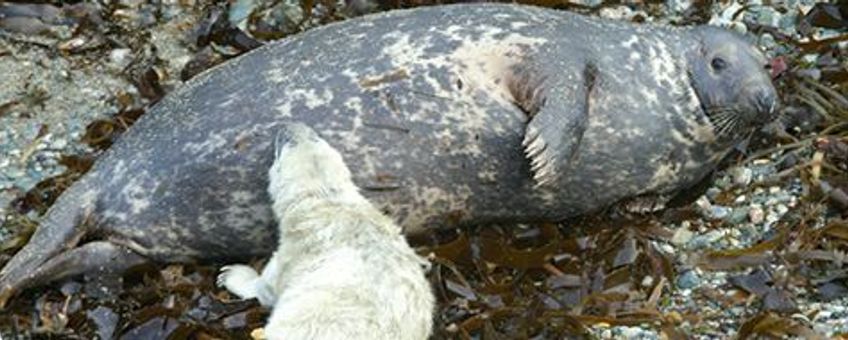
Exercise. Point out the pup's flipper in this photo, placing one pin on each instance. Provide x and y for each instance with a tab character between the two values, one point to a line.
245	282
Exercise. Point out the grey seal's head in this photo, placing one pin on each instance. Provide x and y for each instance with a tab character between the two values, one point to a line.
731	81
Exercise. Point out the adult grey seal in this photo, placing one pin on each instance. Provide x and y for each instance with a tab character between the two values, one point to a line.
448	115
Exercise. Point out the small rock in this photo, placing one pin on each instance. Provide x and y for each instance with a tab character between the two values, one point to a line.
688	280
105	319
240	11
812	73
742	176
756	214
681	236
703	203
616	13
25	183
788	22
627	332
810	58
736	311
705	240
678	6
59	143
767	41
14	172
590	3
712	193
733	242
120	57
739	215
722	182
768	16
719	212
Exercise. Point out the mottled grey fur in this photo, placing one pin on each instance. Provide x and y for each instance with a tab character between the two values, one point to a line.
446	115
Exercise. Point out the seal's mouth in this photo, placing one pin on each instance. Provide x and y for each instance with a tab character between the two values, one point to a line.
732	121
725	120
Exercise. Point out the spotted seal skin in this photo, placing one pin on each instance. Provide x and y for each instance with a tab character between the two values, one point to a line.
447	115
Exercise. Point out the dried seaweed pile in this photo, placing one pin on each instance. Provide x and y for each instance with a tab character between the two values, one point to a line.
539	282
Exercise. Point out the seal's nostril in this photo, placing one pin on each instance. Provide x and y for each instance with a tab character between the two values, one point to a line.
766	103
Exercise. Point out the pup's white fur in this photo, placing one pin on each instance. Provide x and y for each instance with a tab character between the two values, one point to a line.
342	269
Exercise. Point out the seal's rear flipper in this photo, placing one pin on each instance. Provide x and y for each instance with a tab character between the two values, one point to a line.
60	230
558	112
98	257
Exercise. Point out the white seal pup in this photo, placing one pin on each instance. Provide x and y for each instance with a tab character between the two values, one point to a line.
342	269
448	115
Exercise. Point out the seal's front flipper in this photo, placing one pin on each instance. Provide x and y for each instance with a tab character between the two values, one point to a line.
97	257
558	111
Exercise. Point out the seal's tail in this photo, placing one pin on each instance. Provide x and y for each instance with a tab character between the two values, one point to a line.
59	230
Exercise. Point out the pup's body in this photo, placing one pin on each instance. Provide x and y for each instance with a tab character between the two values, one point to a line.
342	270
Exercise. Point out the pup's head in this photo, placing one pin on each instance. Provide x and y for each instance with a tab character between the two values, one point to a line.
306	166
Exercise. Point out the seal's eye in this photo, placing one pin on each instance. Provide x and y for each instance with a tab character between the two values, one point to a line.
718	64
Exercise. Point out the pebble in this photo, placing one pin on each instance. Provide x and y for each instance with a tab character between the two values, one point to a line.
678	6
704	240
119	58
768	16
682	236
722	183
712	193
738	215
742	176
688	280
590	3
703	203
239	12
810	58
59	143
719	212
617	13
756	214
625	332
767	42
